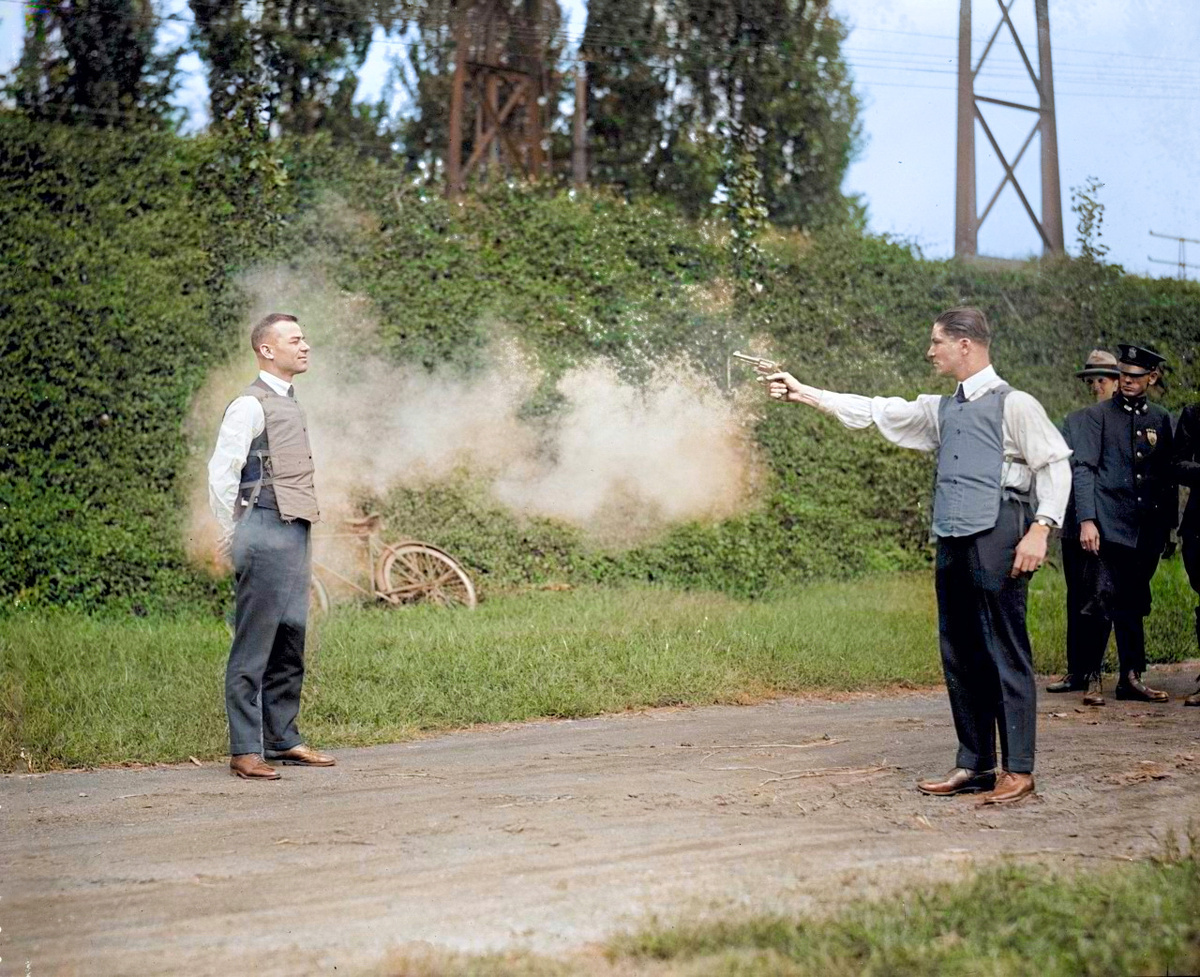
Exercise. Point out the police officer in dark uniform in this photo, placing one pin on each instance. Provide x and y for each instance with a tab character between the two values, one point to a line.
1187	472
1088	626
1127	503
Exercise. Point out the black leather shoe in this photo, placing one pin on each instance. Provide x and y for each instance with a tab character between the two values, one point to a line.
1069	683
1132	687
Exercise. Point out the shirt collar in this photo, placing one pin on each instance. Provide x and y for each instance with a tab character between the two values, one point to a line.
977	383
1132	405
281	387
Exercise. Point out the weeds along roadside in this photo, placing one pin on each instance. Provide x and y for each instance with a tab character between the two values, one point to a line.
79	690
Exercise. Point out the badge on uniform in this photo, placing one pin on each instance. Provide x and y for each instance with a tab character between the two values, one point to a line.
1152	437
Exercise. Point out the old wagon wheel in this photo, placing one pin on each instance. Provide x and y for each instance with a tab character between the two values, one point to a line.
414	573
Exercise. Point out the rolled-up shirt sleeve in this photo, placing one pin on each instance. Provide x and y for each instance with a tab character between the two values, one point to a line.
243	422
907	423
1045	452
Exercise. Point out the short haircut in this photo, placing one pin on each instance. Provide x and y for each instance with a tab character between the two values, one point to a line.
265	326
966	322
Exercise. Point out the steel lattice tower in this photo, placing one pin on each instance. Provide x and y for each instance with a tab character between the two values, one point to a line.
968	219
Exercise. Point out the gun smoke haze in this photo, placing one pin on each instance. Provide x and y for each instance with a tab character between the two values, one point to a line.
619	461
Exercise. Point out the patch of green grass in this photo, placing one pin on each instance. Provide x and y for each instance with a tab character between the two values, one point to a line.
1007	920
80	691
1003	921
1170	628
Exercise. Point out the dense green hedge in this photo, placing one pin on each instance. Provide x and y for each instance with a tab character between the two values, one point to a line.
118	255
109	318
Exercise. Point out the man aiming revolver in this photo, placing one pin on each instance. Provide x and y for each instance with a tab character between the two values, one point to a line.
995	449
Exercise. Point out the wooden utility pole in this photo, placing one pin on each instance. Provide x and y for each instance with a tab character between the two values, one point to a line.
454	173
1181	263
579	129
967	219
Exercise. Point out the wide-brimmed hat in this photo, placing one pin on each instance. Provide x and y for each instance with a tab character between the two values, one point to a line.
1100	363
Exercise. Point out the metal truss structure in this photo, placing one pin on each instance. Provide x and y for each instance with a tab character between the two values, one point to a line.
967	217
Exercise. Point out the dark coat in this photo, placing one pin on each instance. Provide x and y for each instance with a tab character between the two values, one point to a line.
1186	468
1123	472
1070	432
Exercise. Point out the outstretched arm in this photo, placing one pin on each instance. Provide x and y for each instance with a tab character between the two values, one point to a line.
907	423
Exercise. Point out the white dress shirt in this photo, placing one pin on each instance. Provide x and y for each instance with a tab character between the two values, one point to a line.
1035	454
244	421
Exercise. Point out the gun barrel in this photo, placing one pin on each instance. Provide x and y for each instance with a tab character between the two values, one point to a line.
758	362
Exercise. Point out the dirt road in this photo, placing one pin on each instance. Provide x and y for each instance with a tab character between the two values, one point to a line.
553	834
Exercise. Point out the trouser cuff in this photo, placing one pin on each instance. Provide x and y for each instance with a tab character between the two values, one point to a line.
281	746
973	761
1019	765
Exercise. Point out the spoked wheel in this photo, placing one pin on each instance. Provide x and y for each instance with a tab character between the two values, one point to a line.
416	573
318	598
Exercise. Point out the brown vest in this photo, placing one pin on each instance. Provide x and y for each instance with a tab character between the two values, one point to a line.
279	467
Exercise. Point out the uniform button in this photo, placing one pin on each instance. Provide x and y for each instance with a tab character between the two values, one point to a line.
956	457
1139	498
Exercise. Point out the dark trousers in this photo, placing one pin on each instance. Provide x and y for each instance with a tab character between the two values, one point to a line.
1087	633
1189	548
272	564
1131	569
986	656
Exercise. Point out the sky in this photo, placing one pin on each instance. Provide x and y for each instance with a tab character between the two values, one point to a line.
1127	97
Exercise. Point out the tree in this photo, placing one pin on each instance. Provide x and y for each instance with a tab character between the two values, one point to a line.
673	84
283	66
94	61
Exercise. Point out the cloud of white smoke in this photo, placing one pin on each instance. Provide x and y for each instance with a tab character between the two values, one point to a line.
618	460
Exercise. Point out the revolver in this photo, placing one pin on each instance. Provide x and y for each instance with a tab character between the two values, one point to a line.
762	366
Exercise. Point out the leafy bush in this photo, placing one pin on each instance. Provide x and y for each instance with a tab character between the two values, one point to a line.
117	295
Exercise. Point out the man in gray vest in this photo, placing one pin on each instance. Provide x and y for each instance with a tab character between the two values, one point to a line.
1088	626
995	448
260	482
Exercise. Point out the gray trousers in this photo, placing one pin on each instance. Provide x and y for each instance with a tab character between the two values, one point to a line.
272	563
986	656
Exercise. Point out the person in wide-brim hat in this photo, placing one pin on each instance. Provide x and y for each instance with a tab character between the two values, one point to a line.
1100	363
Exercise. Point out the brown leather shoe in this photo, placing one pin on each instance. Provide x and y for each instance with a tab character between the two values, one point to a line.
250	766
1009	787
301	756
1095	693
1131	686
1193	699
959	781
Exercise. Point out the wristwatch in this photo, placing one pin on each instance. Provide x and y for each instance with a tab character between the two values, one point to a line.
1043	521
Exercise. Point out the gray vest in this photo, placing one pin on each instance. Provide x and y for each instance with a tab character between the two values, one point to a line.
970	464
279	466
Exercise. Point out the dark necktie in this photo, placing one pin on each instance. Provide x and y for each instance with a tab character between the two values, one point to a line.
291	391
960	395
